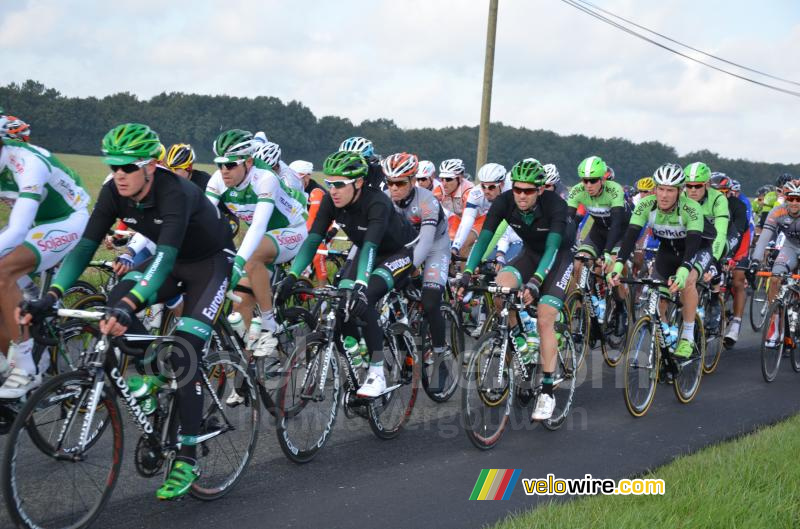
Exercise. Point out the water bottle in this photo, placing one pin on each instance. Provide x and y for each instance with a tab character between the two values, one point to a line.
144	388
528	323
237	323
667	334
351	346
255	332
673	335
521	346
362	348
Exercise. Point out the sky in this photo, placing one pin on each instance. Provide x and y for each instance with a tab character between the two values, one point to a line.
420	62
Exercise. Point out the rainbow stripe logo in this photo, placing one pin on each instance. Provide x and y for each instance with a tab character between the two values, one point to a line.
495	484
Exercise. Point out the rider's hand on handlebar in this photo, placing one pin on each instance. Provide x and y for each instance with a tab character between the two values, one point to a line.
123	264
34	310
463	283
284	289
117	319
614	277
531	292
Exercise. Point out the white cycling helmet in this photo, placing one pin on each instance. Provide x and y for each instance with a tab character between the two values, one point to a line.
736	186
551	174
302	167
491	173
426	169
791	189
669	174
260	136
269	153
358	144
452	166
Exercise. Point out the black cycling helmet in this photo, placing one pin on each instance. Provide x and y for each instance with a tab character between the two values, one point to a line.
782	179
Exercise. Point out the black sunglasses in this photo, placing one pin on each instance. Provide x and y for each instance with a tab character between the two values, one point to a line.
127	168
525	190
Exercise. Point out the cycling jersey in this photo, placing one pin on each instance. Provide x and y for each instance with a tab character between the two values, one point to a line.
608	211
172	208
474	213
370	222
268	206
737	226
779	221
453	204
437	185
715	209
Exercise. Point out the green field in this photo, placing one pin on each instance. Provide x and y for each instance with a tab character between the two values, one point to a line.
752	482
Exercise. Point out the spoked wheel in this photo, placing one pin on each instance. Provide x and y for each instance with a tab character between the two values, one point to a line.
78	338
615	328
759	304
565	379
578	315
401	367
48	480
714	328
690	370
307	400
440	374
230	433
641	360
773	340
487	389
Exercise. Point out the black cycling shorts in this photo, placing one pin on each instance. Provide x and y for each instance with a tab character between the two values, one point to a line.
554	288
667	262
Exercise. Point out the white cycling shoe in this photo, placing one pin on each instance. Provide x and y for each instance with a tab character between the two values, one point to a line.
545	405
375	386
267	345
18	384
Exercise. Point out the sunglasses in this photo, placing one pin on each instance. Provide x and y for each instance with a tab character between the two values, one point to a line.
448	178
231	165
792	198
339	184
527	191
695	186
590	180
129	167
397	183
422	179
490	187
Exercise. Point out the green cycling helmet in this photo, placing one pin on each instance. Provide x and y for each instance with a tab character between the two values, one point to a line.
528	171
592	168
130	142
697	172
345	163
233	145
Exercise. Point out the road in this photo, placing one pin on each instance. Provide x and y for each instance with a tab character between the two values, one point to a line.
425	476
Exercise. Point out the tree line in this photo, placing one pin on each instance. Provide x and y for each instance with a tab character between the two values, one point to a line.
77	125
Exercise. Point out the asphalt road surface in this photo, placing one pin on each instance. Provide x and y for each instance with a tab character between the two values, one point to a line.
424	477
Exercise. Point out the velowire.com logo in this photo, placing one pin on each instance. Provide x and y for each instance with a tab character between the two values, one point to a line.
495	484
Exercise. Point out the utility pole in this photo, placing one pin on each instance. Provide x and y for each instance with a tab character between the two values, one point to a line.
488	72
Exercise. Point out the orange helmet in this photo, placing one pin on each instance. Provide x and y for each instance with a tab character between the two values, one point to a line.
15	129
400	165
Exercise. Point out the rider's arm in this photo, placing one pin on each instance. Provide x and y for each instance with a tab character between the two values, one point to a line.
314	200
617	221
721	220
139	242
429	211
467	221
215	188
19	222
102	218
307	251
558	227
767	234
493	219
692	217
378	215
638	221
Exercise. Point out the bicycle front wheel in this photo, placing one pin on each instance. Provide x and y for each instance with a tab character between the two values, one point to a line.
229	433
615	328
565	380
401	367
714	329
642	359
487	389
48	480
772	340
690	370
758	304
441	374
579	320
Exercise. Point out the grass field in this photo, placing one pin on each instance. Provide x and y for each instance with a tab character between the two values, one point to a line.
752	482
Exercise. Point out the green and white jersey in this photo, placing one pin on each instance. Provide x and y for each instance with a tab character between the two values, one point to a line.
28	171
674	225
599	207
715	211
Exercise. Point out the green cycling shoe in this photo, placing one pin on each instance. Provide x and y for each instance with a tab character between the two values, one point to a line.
179	481
684	349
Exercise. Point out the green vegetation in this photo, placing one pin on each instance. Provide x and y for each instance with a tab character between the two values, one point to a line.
751	482
76	125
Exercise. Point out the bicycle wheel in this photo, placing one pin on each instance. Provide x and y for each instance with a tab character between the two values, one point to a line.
758	304
579	318
47	480
401	366
230	433
615	328
487	389
77	338
440	377
308	399
690	370
714	331
565	380
642	360
772	340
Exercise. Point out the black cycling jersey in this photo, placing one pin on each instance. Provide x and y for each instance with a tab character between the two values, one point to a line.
738	217
172	209
375	176
312	185
200	179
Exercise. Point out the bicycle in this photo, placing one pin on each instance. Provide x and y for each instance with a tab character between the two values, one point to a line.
495	375
715	322
75	431
774	338
649	359
312	387
760	284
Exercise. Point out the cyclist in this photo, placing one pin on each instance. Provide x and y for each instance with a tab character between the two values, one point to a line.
426	176
382	259
739	245
684	251
270	154
364	147
315	193
544	266
646	242
553	181
454	192
492	181
432	250
14	128
48	214
275	215
193	256
644	187
784	220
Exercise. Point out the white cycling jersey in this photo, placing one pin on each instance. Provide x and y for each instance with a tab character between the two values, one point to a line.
290	177
477	206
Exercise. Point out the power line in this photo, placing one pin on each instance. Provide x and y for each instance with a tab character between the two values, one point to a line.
665	37
602	18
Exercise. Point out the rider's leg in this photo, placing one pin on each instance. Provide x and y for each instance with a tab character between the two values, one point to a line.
19	262
689	299
266	253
